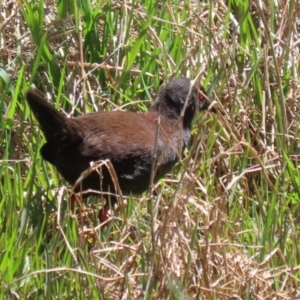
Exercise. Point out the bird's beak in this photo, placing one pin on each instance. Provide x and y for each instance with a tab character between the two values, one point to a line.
206	105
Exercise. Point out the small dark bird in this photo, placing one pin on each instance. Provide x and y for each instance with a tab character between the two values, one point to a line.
127	139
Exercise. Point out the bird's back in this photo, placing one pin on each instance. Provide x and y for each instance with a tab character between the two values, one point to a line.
127	139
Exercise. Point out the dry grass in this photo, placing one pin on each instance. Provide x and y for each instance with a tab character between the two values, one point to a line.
225	224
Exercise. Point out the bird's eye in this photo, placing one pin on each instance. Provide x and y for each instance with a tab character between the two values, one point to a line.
202	94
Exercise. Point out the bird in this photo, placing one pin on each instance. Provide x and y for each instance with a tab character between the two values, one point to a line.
141	147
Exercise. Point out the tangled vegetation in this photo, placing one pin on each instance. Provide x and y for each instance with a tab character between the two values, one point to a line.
225	223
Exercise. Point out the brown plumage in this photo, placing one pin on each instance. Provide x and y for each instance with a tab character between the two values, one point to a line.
127	139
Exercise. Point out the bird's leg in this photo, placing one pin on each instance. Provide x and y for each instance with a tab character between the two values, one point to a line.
104	215
73	201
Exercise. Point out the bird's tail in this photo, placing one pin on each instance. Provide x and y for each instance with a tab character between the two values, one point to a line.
52	122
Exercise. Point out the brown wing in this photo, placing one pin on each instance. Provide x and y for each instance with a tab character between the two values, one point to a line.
126	139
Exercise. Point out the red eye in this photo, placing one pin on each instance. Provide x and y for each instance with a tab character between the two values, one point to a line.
202	94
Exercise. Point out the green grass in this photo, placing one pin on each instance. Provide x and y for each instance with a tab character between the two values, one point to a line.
225	222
